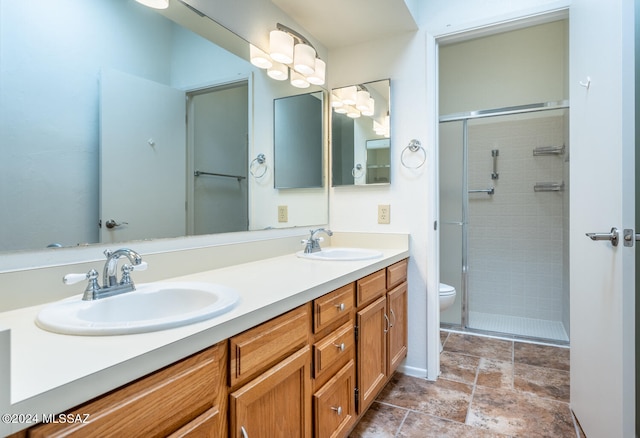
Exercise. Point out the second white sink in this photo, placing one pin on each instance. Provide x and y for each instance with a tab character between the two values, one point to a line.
341	254
151	307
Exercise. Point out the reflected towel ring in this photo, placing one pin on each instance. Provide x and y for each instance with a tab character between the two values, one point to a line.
260	160
413	146
357	170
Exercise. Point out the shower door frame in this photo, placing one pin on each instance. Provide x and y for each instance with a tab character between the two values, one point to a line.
464	117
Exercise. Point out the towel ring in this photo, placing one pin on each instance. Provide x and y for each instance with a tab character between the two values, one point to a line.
260	160
413	146
357	171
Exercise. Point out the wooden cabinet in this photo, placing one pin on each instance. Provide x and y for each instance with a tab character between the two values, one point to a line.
179	400
312	371
381	332
334	404
275	404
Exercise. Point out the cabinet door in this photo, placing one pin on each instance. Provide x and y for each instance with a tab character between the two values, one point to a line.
397	334
334	404
372	353
277	403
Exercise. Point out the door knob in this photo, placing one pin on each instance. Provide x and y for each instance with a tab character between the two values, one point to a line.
611	236
112	224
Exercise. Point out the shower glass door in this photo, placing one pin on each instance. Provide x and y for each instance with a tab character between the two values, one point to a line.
504	222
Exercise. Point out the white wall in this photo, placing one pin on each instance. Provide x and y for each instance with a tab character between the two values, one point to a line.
410	62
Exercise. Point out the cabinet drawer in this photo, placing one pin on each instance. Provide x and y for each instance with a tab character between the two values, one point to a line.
334	404
206	425
396	274
371	287
332	306
261	347
153	406
333	347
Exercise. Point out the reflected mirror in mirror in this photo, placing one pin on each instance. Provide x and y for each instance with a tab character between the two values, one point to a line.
298	141
54	74
360	134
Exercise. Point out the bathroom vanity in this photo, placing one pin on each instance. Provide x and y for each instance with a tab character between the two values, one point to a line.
304	353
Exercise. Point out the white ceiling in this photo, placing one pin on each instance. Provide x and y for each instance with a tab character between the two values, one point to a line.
338	23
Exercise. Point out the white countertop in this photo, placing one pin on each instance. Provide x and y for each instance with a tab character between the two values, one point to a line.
51	373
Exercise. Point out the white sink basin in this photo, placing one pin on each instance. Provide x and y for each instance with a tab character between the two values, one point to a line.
151	307
341	254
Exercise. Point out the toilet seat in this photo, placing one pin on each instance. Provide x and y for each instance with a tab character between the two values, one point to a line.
446	290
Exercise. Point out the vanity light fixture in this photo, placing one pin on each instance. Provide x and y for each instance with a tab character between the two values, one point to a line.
288	50
155	4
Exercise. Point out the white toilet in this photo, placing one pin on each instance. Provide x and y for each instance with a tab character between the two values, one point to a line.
447	298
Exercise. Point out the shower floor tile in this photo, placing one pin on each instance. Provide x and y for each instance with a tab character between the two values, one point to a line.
536	328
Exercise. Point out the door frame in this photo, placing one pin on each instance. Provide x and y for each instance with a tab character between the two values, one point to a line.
543	14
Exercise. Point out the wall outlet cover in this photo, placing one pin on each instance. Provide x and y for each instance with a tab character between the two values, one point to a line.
384	214
283	213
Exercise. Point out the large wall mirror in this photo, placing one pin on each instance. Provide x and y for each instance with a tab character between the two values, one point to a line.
360	135
298	141
77	141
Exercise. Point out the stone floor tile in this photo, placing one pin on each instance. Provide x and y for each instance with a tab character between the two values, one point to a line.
418	425
443	398
543	382
520	414
480	346
459	367
380	421
546	356
495	374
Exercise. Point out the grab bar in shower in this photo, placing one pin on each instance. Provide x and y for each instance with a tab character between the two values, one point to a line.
548	150
548	187
489	191
224	175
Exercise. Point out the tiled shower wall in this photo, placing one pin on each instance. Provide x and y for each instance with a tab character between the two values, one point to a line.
517	236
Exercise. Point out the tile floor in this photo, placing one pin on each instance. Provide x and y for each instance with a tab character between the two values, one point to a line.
487	388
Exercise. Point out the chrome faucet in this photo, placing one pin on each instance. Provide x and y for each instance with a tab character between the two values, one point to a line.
312	244
111	286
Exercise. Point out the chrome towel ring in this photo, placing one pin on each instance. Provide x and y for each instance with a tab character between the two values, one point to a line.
413	146
258	162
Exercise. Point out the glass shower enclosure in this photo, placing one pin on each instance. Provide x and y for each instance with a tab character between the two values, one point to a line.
504	204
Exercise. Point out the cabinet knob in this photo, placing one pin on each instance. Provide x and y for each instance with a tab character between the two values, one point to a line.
340	346
338	409
340	307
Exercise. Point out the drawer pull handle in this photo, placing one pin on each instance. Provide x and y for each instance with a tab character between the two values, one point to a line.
340	307
394	318
340	346
244	432
337	409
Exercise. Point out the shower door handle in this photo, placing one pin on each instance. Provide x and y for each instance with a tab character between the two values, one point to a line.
611	236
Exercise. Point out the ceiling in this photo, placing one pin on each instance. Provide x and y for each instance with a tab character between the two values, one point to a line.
337	23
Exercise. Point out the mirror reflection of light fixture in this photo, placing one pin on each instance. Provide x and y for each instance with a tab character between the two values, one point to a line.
292	51
155	4
354	101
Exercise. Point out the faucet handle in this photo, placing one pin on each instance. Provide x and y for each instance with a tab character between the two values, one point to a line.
77	278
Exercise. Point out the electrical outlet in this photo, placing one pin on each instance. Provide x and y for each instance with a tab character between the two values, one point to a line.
283	213
384	214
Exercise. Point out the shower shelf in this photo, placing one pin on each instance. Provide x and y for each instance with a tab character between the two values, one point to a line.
548	150
548	187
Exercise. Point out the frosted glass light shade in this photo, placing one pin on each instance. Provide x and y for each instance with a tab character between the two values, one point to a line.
353	113
341	109
259	58
279	72
370	108
298	80
349	95
281	46
335	100
362	100
304	59
318	75
155	4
